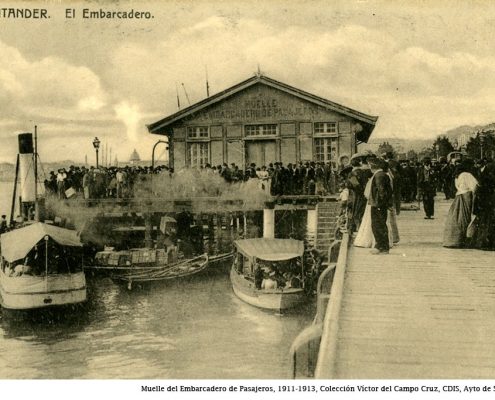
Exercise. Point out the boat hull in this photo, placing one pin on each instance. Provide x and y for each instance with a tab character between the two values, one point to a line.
273	299
166	272
27	293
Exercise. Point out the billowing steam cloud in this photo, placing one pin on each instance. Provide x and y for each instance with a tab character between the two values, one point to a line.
201	190
131	116
202	187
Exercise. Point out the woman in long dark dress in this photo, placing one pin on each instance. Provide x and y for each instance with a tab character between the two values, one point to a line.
460	211
484	209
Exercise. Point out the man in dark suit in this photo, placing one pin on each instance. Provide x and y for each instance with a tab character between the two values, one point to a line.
427	188
484	207
277	181
299	176
397	176
380	199
310	176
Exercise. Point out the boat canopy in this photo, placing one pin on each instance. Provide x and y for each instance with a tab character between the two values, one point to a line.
18	243
270	249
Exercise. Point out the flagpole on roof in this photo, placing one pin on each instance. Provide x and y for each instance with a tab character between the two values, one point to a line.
185	91
177	93
207	84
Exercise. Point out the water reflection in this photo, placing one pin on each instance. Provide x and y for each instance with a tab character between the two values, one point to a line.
189	328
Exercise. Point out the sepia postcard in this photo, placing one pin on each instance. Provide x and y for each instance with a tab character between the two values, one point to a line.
300	192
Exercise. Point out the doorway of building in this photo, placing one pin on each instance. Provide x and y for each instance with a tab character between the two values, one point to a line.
261	152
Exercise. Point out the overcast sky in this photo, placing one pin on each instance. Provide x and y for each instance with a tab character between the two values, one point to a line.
422	68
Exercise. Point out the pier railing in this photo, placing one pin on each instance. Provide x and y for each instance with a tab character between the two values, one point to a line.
330	327
159	204
305	348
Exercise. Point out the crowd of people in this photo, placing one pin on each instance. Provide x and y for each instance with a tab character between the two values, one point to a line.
373	195
96	183
374	187
303	178
371	187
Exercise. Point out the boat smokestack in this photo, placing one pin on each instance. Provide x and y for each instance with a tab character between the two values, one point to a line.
27	168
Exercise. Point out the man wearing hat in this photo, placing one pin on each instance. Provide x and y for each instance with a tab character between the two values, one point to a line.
310	176
395	170
290	180
380	200
299	176
277	181
427	187
225	172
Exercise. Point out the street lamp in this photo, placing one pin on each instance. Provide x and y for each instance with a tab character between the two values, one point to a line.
96	145
153	153
482	140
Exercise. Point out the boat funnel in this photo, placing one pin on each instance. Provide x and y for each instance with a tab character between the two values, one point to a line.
27	168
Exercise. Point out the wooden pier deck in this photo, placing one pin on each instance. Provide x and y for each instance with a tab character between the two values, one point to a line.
423	311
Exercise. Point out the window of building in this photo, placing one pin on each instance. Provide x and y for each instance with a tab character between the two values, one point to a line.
261	130
197	132
325	127
198	154
325	149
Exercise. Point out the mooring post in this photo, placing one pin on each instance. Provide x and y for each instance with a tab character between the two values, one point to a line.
312	226
269	223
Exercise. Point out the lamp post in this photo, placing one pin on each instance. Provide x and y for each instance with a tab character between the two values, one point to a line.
96	145
481	136
153	153
153	162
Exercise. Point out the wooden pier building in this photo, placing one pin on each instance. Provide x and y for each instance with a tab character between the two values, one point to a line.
261	121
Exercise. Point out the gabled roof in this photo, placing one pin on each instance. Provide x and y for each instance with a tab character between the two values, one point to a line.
158	126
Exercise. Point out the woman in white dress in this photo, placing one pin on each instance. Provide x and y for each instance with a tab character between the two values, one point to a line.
460	211
364	237
263	179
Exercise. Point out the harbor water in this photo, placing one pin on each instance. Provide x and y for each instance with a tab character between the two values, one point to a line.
190	328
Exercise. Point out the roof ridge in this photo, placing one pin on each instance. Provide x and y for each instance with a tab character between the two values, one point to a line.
259	78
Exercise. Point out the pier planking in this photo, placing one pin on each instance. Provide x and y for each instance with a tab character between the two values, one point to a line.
423	311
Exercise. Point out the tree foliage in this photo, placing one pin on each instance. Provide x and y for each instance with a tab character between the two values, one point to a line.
386	147
426	152
412	155
442	146
473	146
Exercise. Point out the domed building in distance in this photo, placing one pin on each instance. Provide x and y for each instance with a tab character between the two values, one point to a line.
134	159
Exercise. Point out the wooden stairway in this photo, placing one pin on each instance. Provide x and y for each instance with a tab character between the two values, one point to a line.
327	215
